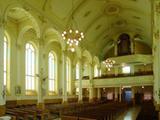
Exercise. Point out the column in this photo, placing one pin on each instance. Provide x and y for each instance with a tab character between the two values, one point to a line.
156	53
80	97
132	69
91	69
116	71
133	95
73	74
2	87
132	46
115	94
41	77
64	77
115	48
99	93
120	94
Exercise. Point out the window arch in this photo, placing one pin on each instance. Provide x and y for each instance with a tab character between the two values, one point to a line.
30	65
6	60
68	73
52	71
77	71
95	71
124	44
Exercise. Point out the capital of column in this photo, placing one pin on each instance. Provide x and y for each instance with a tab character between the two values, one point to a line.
80	60
41	41
64	52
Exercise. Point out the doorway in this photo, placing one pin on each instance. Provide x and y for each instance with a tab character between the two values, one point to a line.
127	95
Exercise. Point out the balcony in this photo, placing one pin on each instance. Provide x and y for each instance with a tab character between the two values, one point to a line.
125	75
136	79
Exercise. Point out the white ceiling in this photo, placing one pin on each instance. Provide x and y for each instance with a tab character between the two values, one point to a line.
100	20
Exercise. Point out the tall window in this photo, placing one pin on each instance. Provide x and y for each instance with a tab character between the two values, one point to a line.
77	71
51	71
5	60
95	71
68	73
30	67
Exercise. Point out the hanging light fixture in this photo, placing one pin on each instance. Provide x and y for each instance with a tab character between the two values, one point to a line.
109	63
72	36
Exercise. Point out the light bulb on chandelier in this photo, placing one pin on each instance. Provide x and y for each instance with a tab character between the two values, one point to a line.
109	63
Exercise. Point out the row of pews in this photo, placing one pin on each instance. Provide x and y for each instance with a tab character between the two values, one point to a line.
88	111
29	112
147	112
97	110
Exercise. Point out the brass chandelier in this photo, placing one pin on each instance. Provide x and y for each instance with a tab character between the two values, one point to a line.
72	36
109	63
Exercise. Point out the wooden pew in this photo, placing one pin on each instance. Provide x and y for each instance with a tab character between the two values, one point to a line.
31	113
67	117
19	114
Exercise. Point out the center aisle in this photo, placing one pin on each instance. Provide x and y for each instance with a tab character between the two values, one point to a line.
130	114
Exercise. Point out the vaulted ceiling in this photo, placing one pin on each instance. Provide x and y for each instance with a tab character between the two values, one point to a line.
100	20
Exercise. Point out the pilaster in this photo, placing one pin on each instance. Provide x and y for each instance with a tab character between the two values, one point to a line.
41	76
2	87
115	94
80	82
64	58
156	50
99	93
91	82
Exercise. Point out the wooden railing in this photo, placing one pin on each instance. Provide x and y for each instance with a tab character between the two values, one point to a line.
125	75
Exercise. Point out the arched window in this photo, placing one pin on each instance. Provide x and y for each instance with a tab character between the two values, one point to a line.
5	60
77	71
124	44
52	71
126	69
85	70
95	71
68	73
30	55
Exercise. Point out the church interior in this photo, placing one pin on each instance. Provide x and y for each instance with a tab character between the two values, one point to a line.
80	60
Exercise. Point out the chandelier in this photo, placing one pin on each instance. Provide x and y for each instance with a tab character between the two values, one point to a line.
72	36
109	63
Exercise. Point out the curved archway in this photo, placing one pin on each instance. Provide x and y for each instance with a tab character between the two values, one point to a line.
50	35
23	19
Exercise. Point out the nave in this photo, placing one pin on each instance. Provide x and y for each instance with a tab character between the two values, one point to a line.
79	59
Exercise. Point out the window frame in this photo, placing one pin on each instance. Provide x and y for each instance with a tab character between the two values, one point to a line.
96	70
6	64
126	69
55	73
30	85
77	71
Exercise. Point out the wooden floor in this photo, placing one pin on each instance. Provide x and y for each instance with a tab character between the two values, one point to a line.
130	114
